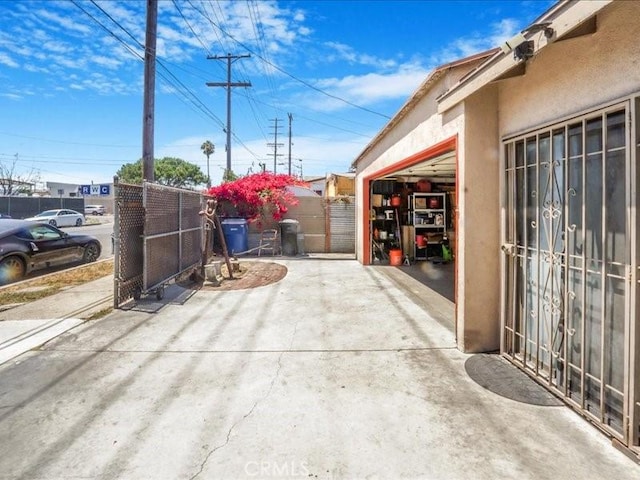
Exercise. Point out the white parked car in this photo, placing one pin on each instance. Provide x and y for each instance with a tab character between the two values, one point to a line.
59	218
94	210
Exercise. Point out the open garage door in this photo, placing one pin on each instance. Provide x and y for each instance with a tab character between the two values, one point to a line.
412	220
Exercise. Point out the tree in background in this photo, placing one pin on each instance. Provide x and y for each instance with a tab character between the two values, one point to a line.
170	171
13	183
229	176
257	196
208	149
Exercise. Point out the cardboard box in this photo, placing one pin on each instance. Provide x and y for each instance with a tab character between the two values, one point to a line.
376	200
420	202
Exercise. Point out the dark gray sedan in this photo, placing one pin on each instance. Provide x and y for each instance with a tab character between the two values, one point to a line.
26	246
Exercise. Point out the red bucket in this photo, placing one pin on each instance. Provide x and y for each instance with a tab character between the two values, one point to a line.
395	257
421	241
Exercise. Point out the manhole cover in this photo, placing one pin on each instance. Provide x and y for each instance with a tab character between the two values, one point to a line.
500	377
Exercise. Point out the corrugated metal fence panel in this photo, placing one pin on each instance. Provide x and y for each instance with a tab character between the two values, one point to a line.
172	232
342	220
128	231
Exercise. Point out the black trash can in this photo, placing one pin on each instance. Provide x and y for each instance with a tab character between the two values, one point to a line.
289	237
236	235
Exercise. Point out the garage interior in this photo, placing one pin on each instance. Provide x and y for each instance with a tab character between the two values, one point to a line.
412	222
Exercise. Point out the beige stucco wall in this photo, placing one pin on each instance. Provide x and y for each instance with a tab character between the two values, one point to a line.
478	256
420	129
564	79
569	77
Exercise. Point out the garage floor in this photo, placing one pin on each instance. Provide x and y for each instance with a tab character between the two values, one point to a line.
438	277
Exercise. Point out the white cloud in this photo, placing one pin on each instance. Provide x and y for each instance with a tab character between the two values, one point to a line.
36	69
69	62
11	96
65	22
366	89
8	61
57	47
345	52
107	62
475	43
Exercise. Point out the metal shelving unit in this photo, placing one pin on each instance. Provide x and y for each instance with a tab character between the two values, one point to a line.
429	217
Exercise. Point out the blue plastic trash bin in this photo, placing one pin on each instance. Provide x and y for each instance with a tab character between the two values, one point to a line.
236	234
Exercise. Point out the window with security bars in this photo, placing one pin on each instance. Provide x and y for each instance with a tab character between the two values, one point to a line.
567	203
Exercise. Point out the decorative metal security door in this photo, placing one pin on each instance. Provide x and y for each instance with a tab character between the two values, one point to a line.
567	265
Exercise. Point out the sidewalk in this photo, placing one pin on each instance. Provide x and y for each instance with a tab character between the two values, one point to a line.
28	326
335	372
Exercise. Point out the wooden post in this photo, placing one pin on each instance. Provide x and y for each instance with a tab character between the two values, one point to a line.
212	218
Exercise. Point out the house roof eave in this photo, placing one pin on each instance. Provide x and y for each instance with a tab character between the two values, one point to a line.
564	17
420	92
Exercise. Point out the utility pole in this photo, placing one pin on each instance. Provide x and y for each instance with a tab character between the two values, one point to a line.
290	120
275	144
228	84
148	110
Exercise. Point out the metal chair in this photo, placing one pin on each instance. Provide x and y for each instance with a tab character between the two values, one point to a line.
268	242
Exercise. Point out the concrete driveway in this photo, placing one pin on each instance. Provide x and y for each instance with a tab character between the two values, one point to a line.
334	372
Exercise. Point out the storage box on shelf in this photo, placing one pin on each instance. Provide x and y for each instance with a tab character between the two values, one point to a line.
429	215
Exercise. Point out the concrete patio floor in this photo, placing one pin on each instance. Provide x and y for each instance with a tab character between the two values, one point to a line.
336	371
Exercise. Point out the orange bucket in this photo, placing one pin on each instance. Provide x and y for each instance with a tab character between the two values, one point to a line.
395	257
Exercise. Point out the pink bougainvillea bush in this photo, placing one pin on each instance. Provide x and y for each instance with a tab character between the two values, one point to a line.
256	197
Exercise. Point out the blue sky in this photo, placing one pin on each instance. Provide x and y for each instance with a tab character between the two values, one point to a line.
71	77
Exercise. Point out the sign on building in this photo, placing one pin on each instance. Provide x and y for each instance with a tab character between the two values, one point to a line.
95	189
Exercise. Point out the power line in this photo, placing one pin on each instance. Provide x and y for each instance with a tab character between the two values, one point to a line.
228	84
194	100
307	84
275	144
68	143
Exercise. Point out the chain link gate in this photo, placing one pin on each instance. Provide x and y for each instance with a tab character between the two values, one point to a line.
158	234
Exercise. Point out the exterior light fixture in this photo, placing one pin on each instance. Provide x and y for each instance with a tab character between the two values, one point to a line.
521	47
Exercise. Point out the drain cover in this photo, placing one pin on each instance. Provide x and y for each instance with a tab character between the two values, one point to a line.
500	377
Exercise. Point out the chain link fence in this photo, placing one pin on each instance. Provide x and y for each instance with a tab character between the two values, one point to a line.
158	235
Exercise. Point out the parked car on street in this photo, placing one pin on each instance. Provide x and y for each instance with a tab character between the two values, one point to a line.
59	218
94	210
26	246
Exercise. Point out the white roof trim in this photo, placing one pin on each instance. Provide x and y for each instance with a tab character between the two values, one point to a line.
564	17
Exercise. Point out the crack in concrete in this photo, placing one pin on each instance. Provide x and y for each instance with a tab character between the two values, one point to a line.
245	416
